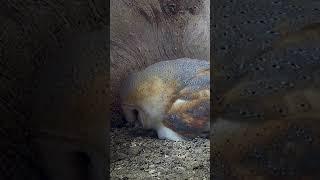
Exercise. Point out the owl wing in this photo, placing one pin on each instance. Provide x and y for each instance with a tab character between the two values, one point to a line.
189	113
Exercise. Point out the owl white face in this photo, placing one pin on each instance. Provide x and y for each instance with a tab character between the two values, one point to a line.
136	115
143	117
166	133
133	115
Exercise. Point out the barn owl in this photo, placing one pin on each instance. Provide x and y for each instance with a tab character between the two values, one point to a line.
170	97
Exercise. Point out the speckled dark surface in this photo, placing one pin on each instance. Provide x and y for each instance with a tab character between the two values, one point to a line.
138	154
266	59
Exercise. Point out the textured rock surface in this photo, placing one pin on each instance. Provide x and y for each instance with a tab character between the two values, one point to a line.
138	154
266	83
143	32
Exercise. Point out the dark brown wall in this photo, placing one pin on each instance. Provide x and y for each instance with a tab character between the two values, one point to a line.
29	32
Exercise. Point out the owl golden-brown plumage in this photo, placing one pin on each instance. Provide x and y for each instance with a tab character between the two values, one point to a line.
171	97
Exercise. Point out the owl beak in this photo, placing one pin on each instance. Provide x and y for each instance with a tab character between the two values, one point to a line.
138	124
